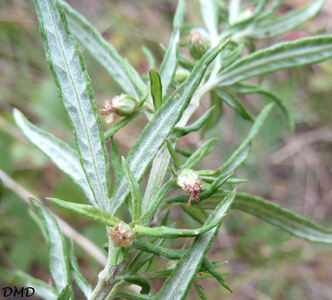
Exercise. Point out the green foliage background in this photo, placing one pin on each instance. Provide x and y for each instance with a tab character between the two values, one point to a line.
263	262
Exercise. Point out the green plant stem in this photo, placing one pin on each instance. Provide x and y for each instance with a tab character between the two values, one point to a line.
105	283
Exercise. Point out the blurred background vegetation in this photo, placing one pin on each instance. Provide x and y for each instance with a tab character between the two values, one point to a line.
293	170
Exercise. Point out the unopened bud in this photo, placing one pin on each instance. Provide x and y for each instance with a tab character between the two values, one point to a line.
198	44
181	75
189	181
122	235
122	105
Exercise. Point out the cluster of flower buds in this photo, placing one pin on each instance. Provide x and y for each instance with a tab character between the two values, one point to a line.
122	235
198	44
190	181
122	105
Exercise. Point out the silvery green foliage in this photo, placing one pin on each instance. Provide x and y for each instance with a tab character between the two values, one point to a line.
168	105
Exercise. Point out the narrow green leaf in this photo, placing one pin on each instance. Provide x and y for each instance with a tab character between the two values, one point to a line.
156	201
203	120
89	211
42	289
210	268
196	213
283	218
231	100
63	156
274	214
243	88
66	294
157	250
214	118
216	184
185	153
156	88
281	56
132	296
119	68
150	58
168	232
116	161
275	26
173	155
170	60
67	66
57	249
162	123
114	129
177	285
135	191
209	12
81	282
199	292
241	152
199	154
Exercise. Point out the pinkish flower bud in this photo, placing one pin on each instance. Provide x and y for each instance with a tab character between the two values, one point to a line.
189	181
123	105
198	44
122	235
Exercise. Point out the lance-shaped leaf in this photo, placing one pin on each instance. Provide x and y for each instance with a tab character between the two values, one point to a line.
156	88
231	100
156	201
66	294
274	214
214	118
89	211
283	218
42	289
176	254
181	131
133	296
199	292
241	153
209	12
216	184
81	282
67	66
199	154
57	249
119	68
170	60
116	162
173	154
281	56
162	123
63	156
168	232
275	26
255	89
177	285
136	197
158	250
150	58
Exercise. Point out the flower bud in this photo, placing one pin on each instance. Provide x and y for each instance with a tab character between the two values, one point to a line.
189	181
198	44
181	75
124	104
122	235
